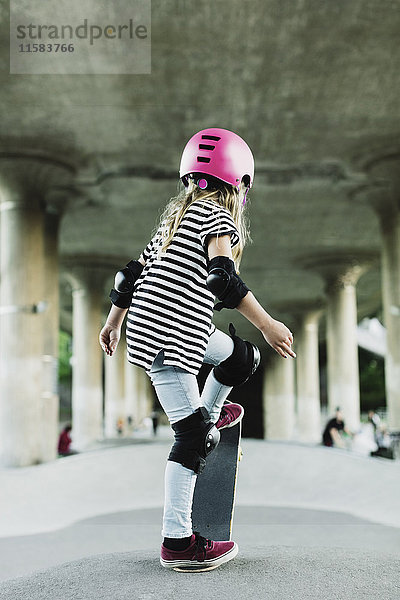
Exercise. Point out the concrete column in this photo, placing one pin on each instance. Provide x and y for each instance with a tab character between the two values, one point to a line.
29	307
87	389
279	399
132	375
145	396
391	312
341	271
149	395
342	348
381	192
114	401
21	326
307	370
49	396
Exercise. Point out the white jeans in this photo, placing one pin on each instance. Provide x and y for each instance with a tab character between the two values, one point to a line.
178	393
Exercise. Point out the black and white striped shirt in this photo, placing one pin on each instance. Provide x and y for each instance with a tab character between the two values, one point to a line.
172	307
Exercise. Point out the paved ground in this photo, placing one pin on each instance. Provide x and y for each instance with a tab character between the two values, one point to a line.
310	523
275	573
140	530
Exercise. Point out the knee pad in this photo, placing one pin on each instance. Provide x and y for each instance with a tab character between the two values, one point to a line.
195	437
241	364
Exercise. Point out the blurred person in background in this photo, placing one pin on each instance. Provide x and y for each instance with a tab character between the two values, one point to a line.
331	435
65	441
375	421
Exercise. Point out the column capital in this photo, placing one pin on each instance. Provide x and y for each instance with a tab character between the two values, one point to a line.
382	169
383	157
34	181
300	311
340	269
383	198
82	270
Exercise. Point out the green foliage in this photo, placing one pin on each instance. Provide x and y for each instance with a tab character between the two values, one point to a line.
65	353
372	381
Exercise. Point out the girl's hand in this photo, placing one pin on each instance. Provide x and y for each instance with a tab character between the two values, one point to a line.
279	337
109	338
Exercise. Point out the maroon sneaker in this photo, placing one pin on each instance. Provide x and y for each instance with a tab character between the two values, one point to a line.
201	555
230	415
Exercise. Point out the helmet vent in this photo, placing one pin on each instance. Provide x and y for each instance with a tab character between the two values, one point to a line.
203	159
206	147
215	138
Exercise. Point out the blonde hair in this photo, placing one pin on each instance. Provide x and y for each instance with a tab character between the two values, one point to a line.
226	196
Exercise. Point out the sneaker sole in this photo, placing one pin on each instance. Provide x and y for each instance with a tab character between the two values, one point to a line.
239	418
190	566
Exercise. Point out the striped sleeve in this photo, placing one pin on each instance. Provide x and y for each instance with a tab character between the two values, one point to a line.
219	223
147	252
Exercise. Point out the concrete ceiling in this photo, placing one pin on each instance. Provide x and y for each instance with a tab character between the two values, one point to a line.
312	86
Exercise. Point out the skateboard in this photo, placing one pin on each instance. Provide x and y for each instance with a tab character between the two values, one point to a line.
214	494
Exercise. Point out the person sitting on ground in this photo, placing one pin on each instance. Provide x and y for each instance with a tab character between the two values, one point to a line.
331	436
64	442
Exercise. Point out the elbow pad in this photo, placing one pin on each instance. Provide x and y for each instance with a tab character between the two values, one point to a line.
121	294
225	283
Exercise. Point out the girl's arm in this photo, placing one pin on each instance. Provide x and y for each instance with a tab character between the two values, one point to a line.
278	336
111	332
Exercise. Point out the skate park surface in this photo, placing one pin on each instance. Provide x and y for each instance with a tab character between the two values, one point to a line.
311	522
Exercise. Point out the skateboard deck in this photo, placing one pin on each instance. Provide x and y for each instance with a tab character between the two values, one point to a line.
214	494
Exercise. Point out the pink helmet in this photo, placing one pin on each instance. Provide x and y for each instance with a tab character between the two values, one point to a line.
219	153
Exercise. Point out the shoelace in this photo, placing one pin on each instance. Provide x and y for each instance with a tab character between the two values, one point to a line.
223	413
201	546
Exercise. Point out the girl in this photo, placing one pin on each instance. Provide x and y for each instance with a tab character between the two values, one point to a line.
169	295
